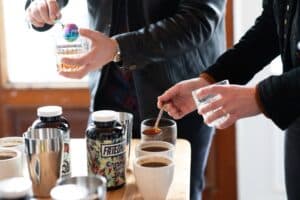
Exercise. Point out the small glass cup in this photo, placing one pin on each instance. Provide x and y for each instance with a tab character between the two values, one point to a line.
209	99
70	49
168	130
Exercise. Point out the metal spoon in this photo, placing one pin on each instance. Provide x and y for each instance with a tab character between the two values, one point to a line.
158	118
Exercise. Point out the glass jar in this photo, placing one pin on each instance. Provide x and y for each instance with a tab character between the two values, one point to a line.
106	148
51	117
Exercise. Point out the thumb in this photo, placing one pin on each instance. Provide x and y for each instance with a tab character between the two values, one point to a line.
91	34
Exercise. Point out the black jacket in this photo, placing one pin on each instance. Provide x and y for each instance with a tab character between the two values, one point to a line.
168	41
275	32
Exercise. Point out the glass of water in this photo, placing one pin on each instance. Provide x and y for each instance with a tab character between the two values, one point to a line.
209	99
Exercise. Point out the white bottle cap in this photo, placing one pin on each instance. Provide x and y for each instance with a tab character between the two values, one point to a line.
49	111
104	116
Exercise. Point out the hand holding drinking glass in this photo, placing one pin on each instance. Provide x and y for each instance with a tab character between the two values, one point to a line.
102	51
231	101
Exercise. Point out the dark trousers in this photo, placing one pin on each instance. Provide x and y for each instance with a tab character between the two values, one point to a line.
292	161
200	136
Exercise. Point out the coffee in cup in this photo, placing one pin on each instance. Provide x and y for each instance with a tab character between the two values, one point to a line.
5	155
10	163
155	148
11	142
166	131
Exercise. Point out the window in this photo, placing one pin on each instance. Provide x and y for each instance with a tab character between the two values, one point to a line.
29	55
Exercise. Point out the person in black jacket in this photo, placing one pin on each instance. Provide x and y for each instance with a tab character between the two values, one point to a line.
139	49
276	32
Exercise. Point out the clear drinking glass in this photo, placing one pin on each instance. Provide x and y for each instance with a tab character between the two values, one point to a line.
168	130
208	99
71	49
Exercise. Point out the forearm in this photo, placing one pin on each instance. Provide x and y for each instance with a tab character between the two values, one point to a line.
192	25
258	47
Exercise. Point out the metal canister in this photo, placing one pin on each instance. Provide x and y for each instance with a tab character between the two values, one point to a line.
51	117
106	148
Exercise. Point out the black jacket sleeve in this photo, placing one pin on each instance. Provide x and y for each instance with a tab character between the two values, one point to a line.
192	25
280	97
258	47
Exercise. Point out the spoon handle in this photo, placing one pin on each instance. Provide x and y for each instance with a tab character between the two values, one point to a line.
159	117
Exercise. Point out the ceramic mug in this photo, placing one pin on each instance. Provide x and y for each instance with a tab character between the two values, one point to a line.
10	163
154	175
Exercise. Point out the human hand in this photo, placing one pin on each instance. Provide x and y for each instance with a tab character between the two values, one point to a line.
178	100
233	101
40	12
101	52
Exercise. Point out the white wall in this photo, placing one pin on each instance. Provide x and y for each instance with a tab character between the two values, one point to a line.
259	142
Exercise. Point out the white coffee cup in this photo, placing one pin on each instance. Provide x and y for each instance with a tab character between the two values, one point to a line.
155	148
153	175
10	163
15	143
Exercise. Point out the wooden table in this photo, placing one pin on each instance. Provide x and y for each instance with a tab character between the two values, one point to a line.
179	189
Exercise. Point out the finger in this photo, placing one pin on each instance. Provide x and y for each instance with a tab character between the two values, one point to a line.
92	35
159	104
54	11
230	121
214	115
44	12
172	111
210	90
34	16
36	21
212	105
169	94
175	115
78	74
80	61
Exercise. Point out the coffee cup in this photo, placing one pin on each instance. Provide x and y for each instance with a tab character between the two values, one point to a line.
153	175
15	142
10	163
155	148
167	126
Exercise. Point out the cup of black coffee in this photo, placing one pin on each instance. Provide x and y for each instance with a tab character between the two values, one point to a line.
155	148
153	175
10	163
15	143
167	126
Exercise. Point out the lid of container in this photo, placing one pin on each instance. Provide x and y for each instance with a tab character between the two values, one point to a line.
49	111
104	116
